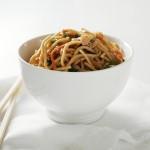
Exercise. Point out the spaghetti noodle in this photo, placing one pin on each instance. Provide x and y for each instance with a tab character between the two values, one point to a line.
71	50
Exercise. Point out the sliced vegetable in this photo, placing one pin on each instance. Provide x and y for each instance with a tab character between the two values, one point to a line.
73	69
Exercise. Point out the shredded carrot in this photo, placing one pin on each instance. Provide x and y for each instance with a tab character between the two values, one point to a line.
118	55
100	37
55	51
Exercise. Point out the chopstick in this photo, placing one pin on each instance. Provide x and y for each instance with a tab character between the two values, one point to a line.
6	98
9	97
6	120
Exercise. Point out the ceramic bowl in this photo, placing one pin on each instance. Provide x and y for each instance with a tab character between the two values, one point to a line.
74	97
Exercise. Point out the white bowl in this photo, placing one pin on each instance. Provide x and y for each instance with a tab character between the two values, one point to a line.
74	97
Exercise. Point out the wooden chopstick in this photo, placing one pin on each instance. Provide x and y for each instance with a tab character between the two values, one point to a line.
10	97
12	90
6	120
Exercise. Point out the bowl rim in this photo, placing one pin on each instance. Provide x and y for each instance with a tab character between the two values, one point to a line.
129	58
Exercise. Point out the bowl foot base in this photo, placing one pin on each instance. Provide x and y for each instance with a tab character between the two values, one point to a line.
74	118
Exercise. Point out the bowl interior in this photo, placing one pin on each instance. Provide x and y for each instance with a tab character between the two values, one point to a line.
28	48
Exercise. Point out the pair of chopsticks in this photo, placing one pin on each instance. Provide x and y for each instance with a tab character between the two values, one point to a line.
8	103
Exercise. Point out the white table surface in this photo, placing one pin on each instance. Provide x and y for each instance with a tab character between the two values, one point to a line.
24	19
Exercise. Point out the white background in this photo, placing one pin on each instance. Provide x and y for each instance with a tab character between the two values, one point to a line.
24	19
